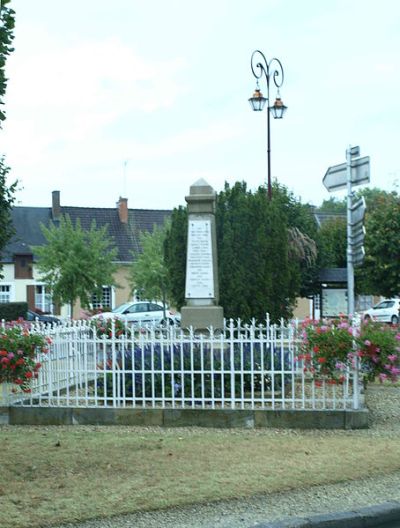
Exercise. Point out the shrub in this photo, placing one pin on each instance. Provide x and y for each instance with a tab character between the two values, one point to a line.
13	311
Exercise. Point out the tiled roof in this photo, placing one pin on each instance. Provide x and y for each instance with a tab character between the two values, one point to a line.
27	220
333	275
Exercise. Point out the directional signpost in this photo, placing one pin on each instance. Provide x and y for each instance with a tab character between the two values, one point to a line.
355	171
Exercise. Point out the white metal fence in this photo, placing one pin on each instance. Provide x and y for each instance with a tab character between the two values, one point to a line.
243	367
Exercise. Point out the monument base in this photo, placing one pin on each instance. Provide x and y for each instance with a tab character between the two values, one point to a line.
202	317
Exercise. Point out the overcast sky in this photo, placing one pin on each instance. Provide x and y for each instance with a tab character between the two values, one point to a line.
141	98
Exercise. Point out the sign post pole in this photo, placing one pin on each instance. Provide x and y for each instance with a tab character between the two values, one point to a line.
350	266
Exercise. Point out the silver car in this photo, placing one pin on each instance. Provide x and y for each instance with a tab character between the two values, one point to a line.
142	313
387	311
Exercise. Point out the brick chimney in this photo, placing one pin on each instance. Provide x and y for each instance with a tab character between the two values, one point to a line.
55	205
122	206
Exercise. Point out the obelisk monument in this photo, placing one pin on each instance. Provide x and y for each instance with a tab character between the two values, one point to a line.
201	292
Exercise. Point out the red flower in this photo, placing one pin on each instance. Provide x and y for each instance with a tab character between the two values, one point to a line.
28	374
3	352
321	360
316	348
19	381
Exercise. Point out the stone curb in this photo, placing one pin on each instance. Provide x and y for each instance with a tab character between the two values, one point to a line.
374	516
220	418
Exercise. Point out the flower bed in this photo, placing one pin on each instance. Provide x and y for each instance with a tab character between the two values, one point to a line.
18	351
329	349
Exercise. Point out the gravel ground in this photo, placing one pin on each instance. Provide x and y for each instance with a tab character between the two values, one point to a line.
384	404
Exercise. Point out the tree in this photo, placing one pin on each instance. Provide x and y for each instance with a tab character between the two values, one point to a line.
149	273
380	274
332	243
175	254
7	199
6	192
7	22
333	206
76	263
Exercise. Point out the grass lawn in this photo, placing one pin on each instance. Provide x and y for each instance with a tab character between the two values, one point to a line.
50	475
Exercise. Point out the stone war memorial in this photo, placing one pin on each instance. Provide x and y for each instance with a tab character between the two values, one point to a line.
201	291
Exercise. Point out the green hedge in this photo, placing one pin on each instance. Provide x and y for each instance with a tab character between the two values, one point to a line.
13	310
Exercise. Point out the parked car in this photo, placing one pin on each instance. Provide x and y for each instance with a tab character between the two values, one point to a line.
43	318
142	313
387	311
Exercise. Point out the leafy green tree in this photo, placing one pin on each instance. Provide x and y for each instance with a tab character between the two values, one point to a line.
332	243
333	206
6	192
7	22
7	198
302	236
175	254
76	263
380	273
149	273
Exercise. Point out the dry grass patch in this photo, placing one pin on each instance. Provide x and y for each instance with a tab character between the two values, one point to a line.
53	475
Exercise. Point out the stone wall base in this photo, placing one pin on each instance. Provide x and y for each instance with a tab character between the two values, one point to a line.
220	418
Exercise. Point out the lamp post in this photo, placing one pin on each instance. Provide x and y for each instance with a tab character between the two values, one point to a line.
274	69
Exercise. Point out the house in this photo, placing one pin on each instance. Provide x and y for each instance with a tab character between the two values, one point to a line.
22	282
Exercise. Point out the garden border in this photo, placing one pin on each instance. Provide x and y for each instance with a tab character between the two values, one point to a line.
219	418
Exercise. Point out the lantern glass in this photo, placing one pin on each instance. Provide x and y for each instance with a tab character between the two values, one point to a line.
257	102
278	109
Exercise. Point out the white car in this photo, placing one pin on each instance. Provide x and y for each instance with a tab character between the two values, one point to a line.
387	311
142	313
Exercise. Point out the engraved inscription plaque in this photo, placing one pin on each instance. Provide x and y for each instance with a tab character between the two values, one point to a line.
199	265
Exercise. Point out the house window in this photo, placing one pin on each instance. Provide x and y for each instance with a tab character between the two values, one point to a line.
105	301
43	300
5	293
23	266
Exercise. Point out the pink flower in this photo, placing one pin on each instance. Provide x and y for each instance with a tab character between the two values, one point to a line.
367	342
392	357
5	360
382	377
395	371
10	355
340	366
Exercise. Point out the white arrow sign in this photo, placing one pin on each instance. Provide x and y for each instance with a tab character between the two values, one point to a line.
357	237
357	212
336	177
358	256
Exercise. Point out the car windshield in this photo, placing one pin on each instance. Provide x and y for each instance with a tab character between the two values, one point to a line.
121	308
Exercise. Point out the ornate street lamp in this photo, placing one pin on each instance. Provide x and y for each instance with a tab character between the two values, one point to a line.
274	69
